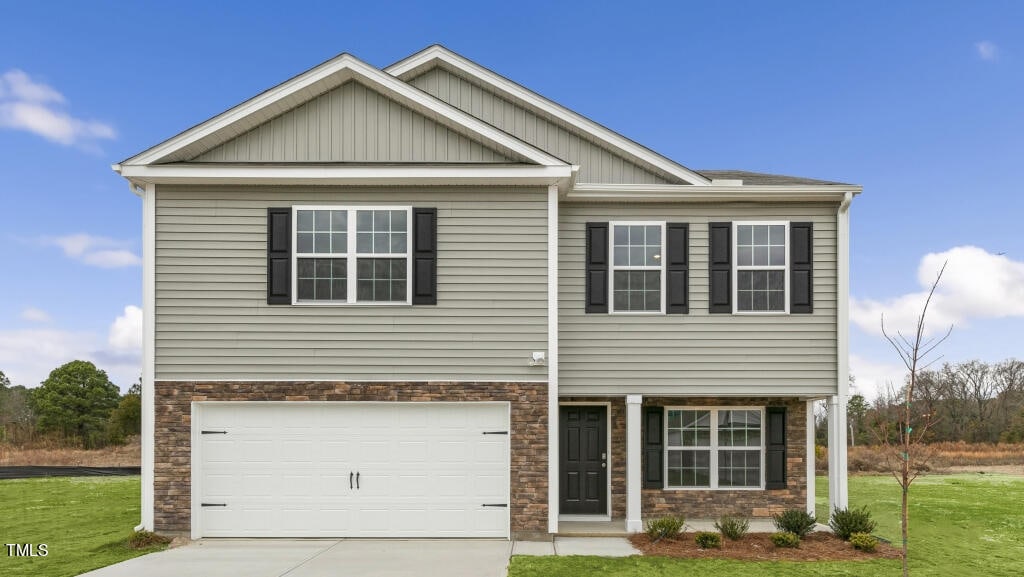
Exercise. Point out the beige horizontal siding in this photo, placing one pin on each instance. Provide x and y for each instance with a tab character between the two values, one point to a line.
598	164
697	353
212	320
351	124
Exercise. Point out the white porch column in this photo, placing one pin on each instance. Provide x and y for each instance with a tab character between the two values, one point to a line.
810	458
837	488
634	473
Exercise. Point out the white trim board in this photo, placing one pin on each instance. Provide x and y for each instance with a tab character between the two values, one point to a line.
316	81
209	173
439	55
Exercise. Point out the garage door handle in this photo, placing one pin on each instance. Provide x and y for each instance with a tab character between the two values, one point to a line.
214	504
350	479
494	505
357	479
214	432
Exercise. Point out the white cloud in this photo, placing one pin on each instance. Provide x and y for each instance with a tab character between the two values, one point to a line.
28	355
976	285
986	50
872	378
95	250
126	331
38	108
35	315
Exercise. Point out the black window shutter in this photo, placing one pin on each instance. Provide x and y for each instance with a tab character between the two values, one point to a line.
801	269
775	448
677	267
424	256
654	446
720	267
279	256
597	267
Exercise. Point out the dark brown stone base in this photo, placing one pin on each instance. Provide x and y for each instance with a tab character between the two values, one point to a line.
528	441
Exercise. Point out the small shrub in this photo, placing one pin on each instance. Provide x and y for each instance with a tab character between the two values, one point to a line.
146	539
863	542
846	522
665	527
733	527
786	539
796	521
708	540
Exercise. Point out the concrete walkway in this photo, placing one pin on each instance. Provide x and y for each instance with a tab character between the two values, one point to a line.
600	546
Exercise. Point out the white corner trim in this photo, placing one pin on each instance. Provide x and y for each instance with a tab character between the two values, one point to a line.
729	193
553	424
200	173
408	67
148	352
331	74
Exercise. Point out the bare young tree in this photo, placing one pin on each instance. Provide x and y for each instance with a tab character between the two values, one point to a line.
911	455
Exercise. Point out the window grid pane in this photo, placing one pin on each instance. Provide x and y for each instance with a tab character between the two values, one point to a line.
381	232
761	272
322	279
739	468
381	280
321	232
637	245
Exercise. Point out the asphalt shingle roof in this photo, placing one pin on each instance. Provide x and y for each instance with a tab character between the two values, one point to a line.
764	179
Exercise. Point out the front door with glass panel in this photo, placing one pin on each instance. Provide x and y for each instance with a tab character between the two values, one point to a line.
583	448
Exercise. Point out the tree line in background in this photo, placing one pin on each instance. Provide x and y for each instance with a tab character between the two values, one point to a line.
76	404
972	401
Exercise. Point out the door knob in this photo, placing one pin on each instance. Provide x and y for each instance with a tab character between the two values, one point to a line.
603	464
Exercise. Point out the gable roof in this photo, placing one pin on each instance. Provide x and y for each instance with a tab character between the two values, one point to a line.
438	55
316	81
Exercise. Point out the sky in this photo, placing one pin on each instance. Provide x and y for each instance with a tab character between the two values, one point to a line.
921	103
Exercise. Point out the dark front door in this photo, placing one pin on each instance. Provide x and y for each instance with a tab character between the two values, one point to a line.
583	452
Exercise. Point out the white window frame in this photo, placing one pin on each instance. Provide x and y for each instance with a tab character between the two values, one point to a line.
736	267
714	449
612	267
351	256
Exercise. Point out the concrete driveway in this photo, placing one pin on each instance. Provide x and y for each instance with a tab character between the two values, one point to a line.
320	558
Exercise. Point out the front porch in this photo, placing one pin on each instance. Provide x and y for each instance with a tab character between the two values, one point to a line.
629	479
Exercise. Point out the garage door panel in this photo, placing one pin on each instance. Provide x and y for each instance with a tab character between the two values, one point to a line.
425	469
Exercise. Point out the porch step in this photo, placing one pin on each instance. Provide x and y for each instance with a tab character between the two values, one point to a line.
613	528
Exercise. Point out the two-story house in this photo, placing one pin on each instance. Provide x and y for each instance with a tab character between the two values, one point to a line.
425	301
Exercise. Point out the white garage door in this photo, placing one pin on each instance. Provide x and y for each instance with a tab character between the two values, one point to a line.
351	470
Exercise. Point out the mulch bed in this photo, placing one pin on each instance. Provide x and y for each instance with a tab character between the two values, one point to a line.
758	547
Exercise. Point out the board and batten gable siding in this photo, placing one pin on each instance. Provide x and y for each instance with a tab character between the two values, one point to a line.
696	353
213	321
352	123
597	164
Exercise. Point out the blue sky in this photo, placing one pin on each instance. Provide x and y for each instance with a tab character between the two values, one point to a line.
921	103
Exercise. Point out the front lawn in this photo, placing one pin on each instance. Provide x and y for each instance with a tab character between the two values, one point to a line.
960	525
84	522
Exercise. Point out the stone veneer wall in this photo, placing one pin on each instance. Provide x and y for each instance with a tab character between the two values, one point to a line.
751	503
528	441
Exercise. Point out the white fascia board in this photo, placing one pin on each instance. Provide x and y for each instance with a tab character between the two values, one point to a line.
685	193
349	175
407	68
335	72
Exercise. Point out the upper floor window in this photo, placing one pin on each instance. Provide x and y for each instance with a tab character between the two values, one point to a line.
762	266
638	279
351	255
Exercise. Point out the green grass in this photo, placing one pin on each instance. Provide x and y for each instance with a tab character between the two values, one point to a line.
959	525
84	521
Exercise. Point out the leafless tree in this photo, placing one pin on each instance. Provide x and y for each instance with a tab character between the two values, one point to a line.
911	455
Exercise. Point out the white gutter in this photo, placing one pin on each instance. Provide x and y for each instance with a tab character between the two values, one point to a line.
344	175
838	482
712	192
